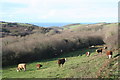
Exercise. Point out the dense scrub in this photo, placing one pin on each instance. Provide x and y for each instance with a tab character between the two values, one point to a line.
39	46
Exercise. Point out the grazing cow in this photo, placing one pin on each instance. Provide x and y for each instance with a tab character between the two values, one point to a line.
88	53
21	66
105	47
38	66
109	54
99	50
61	61
92	46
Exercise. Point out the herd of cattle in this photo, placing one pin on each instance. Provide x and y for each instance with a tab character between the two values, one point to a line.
109	53
62	61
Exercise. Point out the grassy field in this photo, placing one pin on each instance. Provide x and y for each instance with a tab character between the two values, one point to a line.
76	66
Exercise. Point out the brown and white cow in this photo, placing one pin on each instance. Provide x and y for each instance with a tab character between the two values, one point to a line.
109	54
38	66
21	66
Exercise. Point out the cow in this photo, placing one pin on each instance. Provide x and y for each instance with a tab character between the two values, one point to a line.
61	61
92	46
109	54
87	53
38	66
21	66
105	47
99	50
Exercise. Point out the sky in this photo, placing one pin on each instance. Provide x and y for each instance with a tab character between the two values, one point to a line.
55	11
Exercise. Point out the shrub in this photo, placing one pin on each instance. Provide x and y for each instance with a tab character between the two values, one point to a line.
5	30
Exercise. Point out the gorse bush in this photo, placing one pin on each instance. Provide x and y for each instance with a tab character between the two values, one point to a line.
39	46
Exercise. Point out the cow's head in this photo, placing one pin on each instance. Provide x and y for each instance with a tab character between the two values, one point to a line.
65	59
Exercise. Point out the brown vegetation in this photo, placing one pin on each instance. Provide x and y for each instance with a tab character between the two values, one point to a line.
39	46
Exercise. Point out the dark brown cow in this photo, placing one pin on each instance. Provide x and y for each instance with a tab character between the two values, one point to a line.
38	66
61	61
109	54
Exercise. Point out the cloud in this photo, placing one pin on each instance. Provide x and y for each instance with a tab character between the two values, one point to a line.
58	10
50	13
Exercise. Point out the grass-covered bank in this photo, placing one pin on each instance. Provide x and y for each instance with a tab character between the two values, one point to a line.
76	66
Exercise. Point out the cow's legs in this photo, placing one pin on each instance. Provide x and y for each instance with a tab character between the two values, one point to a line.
24	69
62	65
110	56
59	65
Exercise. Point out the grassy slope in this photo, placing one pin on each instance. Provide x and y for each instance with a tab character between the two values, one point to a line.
73	26
76	66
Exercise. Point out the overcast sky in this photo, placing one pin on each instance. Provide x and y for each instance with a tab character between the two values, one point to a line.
59	11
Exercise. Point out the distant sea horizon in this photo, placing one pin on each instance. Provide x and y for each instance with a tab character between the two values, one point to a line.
63	24
56	24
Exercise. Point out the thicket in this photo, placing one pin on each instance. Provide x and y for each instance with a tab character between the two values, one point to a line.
43	46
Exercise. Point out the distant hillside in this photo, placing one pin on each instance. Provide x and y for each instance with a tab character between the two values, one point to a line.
78	25
72	26
20	29
23	29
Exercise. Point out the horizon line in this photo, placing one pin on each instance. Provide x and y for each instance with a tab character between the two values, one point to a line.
58	22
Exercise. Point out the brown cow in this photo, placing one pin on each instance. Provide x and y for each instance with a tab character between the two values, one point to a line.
38	66
109	54
61	61
21	66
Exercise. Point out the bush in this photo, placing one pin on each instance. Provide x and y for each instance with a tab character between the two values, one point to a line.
5	30
43	47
